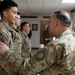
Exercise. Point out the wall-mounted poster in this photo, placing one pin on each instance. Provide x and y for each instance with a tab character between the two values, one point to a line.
34	27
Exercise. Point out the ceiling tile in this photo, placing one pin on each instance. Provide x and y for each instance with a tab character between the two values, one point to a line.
66	6
22	4
35	7
32	4
34	1
52	1
42	7
19	1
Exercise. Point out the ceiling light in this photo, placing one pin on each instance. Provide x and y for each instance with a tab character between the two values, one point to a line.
68	1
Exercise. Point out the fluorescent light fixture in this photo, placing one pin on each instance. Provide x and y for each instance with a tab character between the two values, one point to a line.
68	1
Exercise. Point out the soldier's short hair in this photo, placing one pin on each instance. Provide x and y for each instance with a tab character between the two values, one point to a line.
23	24
64	17
6	5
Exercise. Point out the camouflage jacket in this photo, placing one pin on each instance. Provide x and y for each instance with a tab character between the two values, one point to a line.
11	39
66	64
6	34
17	40
73	32
55	54
26	46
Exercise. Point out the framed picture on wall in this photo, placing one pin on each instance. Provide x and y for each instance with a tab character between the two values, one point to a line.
34	27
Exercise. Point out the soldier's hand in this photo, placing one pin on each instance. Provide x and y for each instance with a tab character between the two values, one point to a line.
3	48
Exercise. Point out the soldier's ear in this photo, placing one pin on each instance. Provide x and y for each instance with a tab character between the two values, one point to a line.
57	23
5	13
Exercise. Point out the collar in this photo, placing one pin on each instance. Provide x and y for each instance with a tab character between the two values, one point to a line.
6	25
66	32
24	35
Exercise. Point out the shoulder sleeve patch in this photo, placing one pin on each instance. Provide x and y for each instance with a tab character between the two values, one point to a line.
40	55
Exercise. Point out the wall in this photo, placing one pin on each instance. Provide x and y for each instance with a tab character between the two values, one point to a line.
35	39
73	17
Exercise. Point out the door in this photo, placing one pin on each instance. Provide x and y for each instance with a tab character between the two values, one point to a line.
43	25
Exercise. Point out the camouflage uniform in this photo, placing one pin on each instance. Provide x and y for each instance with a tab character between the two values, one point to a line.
53	55
26	46
5	37
6	34
64	66
11	38
73	32
17	40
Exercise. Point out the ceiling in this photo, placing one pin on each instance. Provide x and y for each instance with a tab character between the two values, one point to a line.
42	7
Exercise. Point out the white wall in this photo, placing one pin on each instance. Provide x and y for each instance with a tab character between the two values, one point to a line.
73	17
35	39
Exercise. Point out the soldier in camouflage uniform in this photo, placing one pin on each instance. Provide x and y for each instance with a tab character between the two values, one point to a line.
58	56
17	40
5	30
10	62
26	44
59	23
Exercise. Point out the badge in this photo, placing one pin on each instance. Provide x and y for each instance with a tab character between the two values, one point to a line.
40	55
